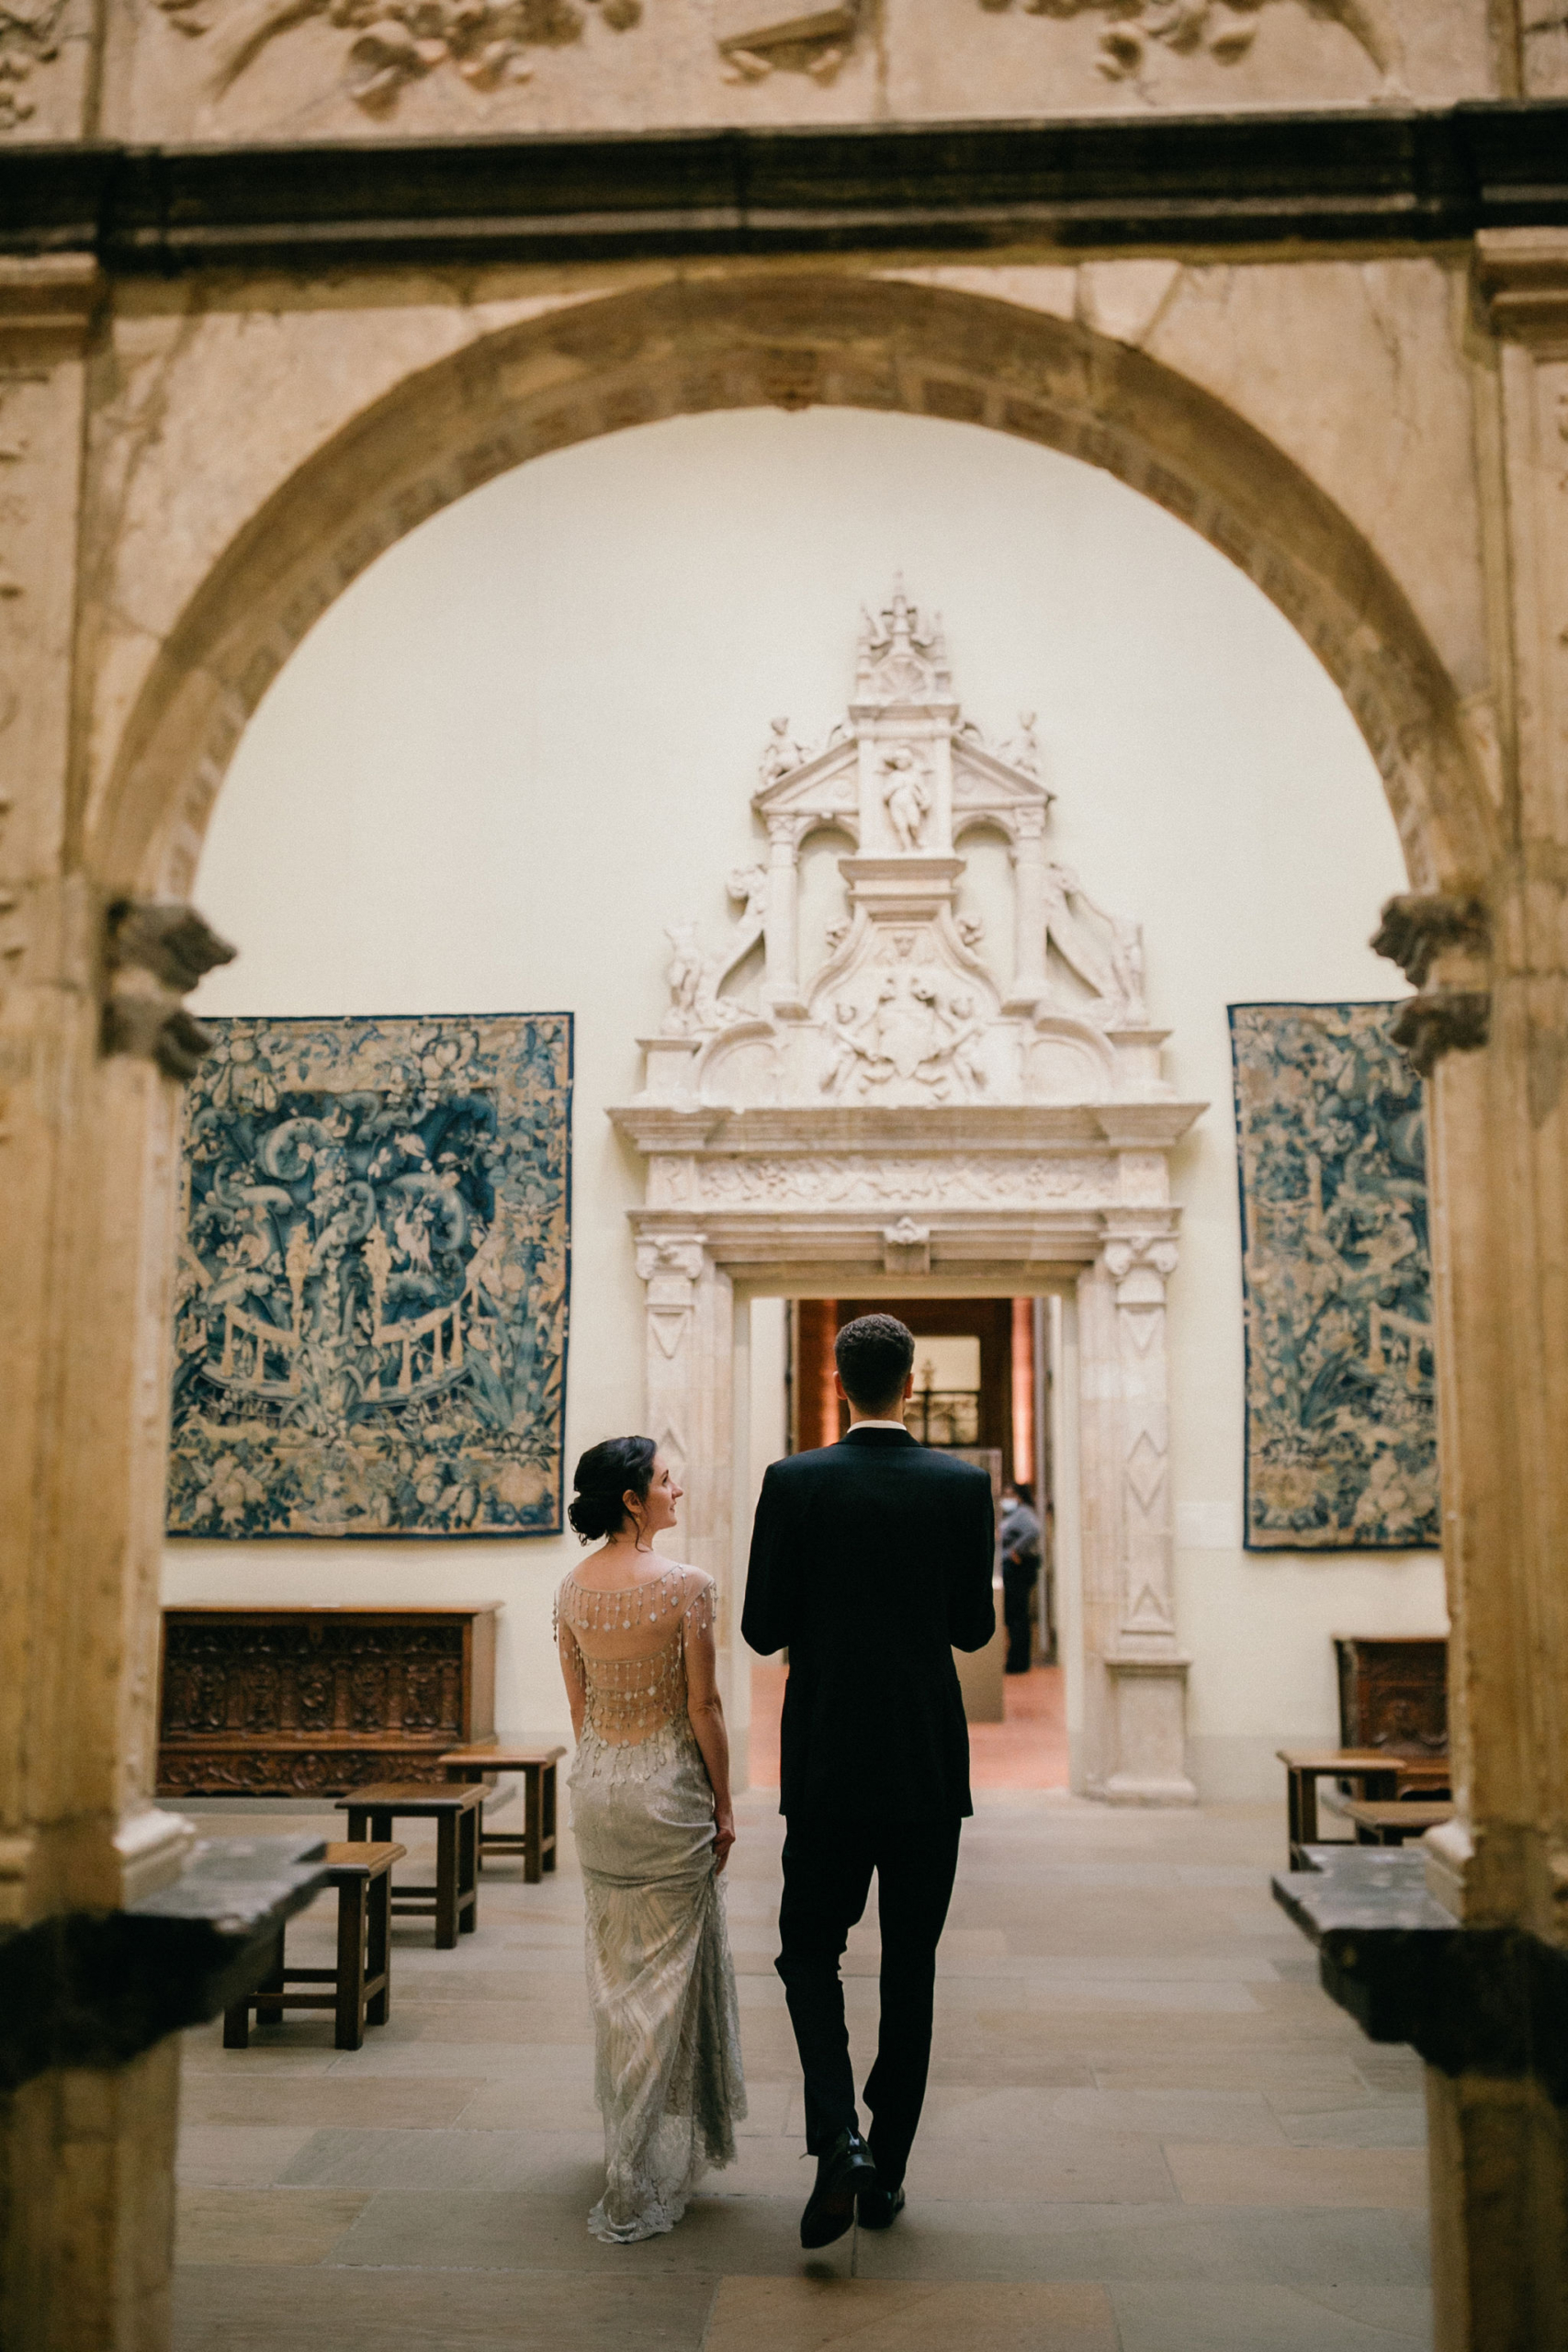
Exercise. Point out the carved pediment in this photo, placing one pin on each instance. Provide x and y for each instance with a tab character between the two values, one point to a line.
902	1007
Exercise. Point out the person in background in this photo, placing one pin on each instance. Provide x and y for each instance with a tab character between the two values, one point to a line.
1020	1570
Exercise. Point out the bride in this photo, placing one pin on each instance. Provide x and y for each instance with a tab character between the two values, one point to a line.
651	1815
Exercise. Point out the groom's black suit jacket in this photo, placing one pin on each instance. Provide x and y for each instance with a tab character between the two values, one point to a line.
871	1562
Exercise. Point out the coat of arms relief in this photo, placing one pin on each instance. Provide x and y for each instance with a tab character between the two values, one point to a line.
908	1006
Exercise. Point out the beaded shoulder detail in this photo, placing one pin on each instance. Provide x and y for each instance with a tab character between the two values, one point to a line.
632	1693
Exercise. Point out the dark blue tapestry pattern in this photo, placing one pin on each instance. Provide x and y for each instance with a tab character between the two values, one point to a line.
1341	1411
370	1321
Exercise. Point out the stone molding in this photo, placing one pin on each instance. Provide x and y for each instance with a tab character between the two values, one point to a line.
1327	177
1521	279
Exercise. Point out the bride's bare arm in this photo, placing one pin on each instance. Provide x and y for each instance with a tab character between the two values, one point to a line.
706	1709
571	1675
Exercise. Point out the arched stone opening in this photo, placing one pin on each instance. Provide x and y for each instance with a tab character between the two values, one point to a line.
788	340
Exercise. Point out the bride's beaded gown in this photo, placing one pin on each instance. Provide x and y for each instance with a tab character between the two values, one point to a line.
660	1981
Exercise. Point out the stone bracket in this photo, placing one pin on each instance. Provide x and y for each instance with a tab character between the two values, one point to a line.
154	952
1490	2001
1446	1021
98	1988
1417	931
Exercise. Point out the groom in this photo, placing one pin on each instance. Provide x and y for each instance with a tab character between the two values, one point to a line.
870	1561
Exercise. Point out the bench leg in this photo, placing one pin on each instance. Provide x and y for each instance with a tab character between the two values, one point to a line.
550	1836
269	2013
446	1882
468	1870
237	2025
351	1965
533	1825
378	1954
358	1824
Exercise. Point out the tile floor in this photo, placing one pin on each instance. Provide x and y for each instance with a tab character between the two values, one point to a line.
1149	2131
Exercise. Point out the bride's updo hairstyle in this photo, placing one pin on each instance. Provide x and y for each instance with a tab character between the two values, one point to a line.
602	1477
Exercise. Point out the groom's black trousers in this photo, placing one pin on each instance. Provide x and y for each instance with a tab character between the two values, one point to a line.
827	1865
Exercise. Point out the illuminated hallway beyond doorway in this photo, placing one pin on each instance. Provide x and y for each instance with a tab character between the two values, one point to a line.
1028	1749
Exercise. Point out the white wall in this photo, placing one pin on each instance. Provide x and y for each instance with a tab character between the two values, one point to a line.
523	742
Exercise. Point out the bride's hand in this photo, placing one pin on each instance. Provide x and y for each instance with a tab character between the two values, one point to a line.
724	1837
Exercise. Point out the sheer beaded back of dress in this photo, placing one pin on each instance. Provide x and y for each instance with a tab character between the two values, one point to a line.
627	1648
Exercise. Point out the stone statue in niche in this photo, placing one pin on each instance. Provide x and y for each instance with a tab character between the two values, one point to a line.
907	796
1223	29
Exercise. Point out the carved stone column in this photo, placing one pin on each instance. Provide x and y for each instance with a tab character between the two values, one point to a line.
781	978
1029	912
690	1371
1136	1672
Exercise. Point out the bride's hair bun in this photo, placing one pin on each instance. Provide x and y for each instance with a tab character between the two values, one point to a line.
603	1475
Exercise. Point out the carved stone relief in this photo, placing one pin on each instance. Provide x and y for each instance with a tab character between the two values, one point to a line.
758	38
29	37
961	1181
387	44
1223	29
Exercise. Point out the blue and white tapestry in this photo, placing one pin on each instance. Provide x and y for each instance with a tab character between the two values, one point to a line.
371	1297
1341	1410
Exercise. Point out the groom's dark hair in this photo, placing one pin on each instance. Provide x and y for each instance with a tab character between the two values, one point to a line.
873	1354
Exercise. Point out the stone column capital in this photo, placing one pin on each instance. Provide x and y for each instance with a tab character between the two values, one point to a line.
1522	280
1140	1264
671	1258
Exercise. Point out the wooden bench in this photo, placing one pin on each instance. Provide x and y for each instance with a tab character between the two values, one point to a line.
361	1983
1388	1824
1380	1776
536	1840
452	1901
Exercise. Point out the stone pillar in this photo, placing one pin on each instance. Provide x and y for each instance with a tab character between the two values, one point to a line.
781	978
1029	912
1491	1024
690	1359
91	1035
1136	1672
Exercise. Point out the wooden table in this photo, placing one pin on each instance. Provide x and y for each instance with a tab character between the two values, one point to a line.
1391	1825
538	1765
455	1807
361	1983
310	1701
1380	1776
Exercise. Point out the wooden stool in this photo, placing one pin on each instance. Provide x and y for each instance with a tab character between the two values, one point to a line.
1378	1775
362	1981
538	1765
1391	1825
452	1901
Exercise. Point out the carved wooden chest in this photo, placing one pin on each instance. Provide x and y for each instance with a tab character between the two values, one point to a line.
315	1701
1394	1692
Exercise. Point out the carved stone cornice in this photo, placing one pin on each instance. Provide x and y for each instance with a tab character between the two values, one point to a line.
1153	1125
1521	279
52	294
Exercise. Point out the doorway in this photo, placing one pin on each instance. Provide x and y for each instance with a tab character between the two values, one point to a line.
983	1389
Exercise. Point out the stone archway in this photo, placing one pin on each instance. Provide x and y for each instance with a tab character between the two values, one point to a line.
789	339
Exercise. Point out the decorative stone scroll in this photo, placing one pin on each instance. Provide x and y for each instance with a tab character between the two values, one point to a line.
905	1110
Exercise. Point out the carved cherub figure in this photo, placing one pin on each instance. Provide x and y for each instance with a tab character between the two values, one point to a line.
907	796
781	753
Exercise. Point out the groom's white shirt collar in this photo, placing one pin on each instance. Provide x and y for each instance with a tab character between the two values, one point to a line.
878	1425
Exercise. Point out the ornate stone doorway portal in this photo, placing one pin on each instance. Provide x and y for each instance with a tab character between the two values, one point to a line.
906	1113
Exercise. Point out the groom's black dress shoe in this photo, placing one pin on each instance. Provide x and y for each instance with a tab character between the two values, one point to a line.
843	2172
878	2209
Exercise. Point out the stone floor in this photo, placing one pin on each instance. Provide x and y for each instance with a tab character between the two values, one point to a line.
1149	2131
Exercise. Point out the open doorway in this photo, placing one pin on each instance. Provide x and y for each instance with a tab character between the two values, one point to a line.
983	1378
